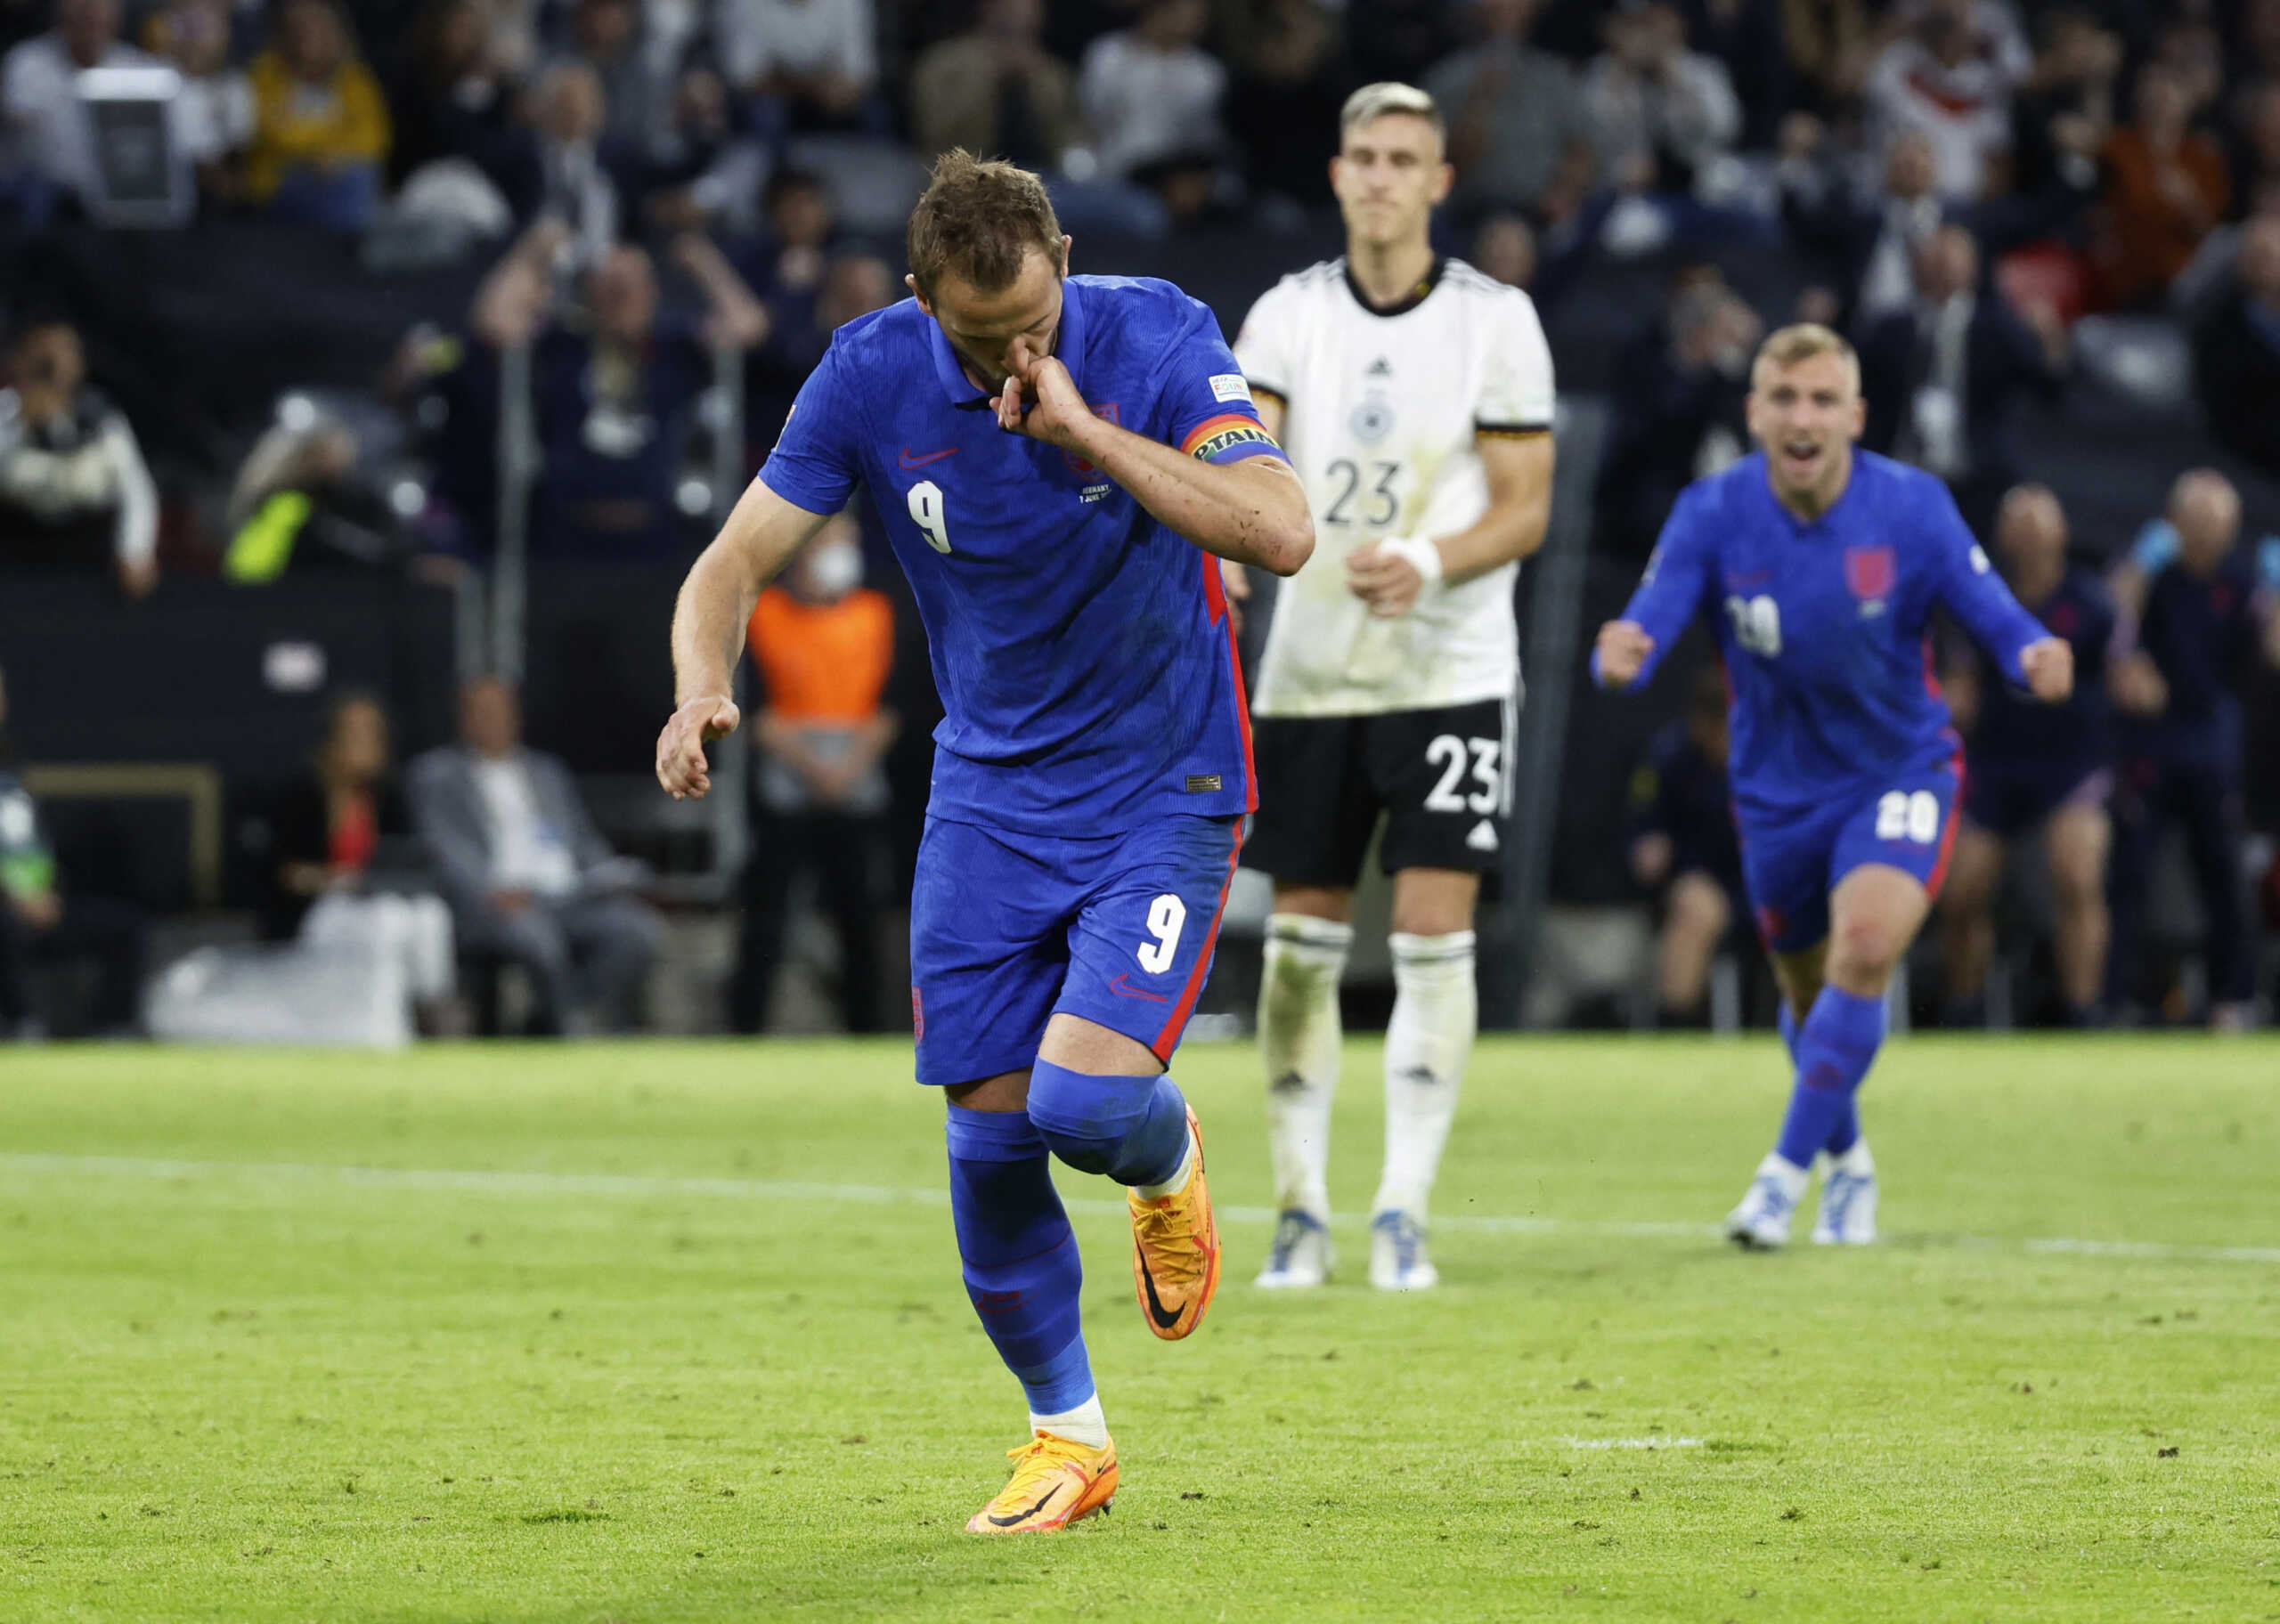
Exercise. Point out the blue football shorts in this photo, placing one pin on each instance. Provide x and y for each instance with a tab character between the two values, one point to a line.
1792	863
1007	929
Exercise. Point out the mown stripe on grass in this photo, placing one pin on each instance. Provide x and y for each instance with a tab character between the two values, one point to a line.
511	1182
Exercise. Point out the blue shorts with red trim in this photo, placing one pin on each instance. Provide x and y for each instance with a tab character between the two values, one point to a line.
1007	929
1792	863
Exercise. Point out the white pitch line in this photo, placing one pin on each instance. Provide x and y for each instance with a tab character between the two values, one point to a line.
1633	1444
494	1182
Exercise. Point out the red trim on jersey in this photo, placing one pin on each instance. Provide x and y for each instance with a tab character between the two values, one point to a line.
1948	835
1931	676
1168	1039
1211	425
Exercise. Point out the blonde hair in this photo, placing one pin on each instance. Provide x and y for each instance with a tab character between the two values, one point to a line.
1803	340
1389	96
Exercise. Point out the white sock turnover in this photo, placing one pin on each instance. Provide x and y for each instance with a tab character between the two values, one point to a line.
1428	1042
1299	1038
1085	1424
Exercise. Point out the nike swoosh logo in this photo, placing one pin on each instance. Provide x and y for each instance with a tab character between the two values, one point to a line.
908	461
1022	1516
1156	1310
1122	987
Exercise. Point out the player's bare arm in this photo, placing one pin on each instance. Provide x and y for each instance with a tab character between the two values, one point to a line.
1232	577
709	618
1388	577
1252	512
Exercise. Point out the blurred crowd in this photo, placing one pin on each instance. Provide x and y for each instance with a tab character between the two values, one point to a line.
667	205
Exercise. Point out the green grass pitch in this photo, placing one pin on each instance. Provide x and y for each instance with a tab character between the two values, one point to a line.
655	1333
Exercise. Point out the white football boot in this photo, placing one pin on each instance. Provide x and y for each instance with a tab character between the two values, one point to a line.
1397	1255
1762	1222
1300	1256
1848	1199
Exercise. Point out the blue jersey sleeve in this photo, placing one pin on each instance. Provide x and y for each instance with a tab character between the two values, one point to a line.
1675	588
1203	401
816	462
1972	592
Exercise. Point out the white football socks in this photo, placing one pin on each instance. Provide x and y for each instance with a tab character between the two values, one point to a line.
1299	1037
1436	1014
1085	1424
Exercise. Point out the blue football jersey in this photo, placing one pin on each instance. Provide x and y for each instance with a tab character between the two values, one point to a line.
1822	623
1084	652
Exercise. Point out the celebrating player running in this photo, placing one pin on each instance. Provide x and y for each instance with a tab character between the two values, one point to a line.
1040	445
1820	567
1414	396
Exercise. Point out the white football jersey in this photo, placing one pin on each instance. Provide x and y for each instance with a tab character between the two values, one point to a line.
1381	414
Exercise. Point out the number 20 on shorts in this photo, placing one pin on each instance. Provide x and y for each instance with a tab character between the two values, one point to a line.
1903	816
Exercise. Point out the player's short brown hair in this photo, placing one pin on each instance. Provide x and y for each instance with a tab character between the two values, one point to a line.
979	218
1786	346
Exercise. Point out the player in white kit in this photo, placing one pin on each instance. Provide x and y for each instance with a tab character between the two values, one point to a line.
1415	396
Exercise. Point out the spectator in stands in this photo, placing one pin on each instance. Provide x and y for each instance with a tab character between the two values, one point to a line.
823	644
700	173
2033	769
1745	37
1951	76
614	402
214	110
1830	45
46	123
1290	86
2237	352
2258	34
1504	247
300	503
452	98
531	881
1150	93
2207	611
800	221
74	491
1683	849
2166	186
996	90
607	36
43	923
2255	163
343	868
1520	133
855	285
320	126
2062	114
1660	112
562	177
1866	252
1946	376
807	64
1676	411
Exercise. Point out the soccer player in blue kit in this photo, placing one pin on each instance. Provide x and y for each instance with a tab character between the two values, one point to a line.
1819	566
1044	449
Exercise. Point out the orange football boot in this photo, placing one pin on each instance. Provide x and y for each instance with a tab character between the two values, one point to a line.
1175	1250
1055	1482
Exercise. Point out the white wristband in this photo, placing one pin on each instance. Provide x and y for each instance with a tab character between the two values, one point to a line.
1421	554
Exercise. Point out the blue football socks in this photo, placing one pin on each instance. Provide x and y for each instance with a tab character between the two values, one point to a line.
1835	1049
1133	1129
1020	1256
